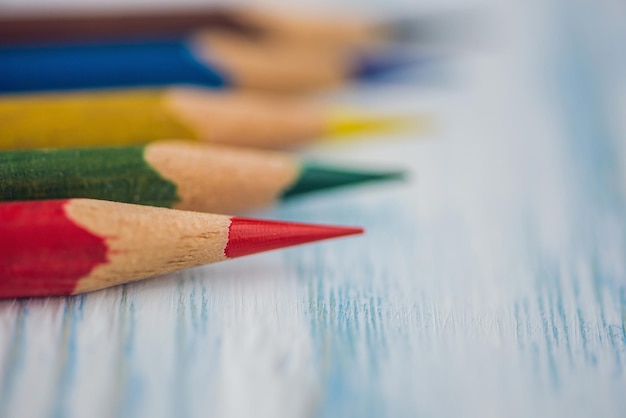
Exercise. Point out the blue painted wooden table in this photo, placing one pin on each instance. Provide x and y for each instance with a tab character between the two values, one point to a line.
492	283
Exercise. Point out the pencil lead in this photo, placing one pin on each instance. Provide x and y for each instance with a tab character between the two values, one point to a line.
378	64
349	122
314	177
250	236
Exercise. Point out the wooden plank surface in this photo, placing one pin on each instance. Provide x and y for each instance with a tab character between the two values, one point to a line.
492	283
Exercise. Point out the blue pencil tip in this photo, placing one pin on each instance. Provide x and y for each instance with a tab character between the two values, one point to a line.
374	65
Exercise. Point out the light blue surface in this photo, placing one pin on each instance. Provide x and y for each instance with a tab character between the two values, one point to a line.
493	283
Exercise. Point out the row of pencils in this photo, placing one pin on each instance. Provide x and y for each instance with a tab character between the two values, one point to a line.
123	134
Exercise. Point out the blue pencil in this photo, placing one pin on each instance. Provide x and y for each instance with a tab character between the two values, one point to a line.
210	60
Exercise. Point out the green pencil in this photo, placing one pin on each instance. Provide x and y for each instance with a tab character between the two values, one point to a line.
173	174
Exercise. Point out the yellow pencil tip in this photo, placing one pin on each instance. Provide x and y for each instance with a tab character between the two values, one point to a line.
342	123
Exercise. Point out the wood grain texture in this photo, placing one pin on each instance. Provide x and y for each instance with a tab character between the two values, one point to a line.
494	284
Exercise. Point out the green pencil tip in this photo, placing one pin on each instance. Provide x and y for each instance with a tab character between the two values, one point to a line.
314	177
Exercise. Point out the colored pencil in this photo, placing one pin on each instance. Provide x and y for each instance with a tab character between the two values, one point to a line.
173	174
138	116
295	26
212	59
65	247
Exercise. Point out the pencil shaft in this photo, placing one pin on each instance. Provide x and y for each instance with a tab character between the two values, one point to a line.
137	63
118	174
88	118
121	25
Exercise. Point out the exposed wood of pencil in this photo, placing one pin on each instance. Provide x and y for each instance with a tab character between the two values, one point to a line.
59	247
273	65
247	119
222	180
144	242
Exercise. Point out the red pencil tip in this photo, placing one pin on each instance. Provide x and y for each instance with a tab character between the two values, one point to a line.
250	236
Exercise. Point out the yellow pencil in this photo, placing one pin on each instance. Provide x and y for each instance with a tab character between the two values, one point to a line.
122	117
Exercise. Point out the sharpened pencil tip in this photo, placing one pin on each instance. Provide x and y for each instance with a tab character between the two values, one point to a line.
250	236
345	122
314	177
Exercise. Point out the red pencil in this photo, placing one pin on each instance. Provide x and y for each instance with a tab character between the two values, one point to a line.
65	247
